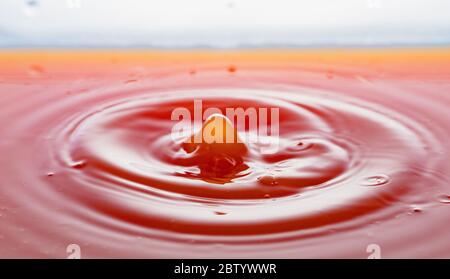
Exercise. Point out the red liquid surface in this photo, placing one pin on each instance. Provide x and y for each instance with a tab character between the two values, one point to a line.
87	155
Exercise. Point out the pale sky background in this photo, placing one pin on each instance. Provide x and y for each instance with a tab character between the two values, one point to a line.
218	23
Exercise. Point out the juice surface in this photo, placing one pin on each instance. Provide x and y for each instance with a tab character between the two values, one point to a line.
362	154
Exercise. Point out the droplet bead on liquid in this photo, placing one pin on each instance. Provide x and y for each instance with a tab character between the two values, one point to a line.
376	180
268	180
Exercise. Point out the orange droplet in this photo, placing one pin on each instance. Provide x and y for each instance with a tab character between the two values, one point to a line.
218	135
231	69
217	150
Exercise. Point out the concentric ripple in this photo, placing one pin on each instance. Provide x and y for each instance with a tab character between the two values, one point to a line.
126	148
356	164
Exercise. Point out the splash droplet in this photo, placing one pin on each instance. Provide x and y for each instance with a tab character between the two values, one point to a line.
217	150
232	69
376	180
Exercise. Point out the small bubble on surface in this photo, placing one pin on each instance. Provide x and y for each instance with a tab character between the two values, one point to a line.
376	180
300	146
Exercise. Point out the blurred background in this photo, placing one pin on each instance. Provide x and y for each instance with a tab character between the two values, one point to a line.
223	24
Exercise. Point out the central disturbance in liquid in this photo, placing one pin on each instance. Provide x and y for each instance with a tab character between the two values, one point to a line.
217	150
